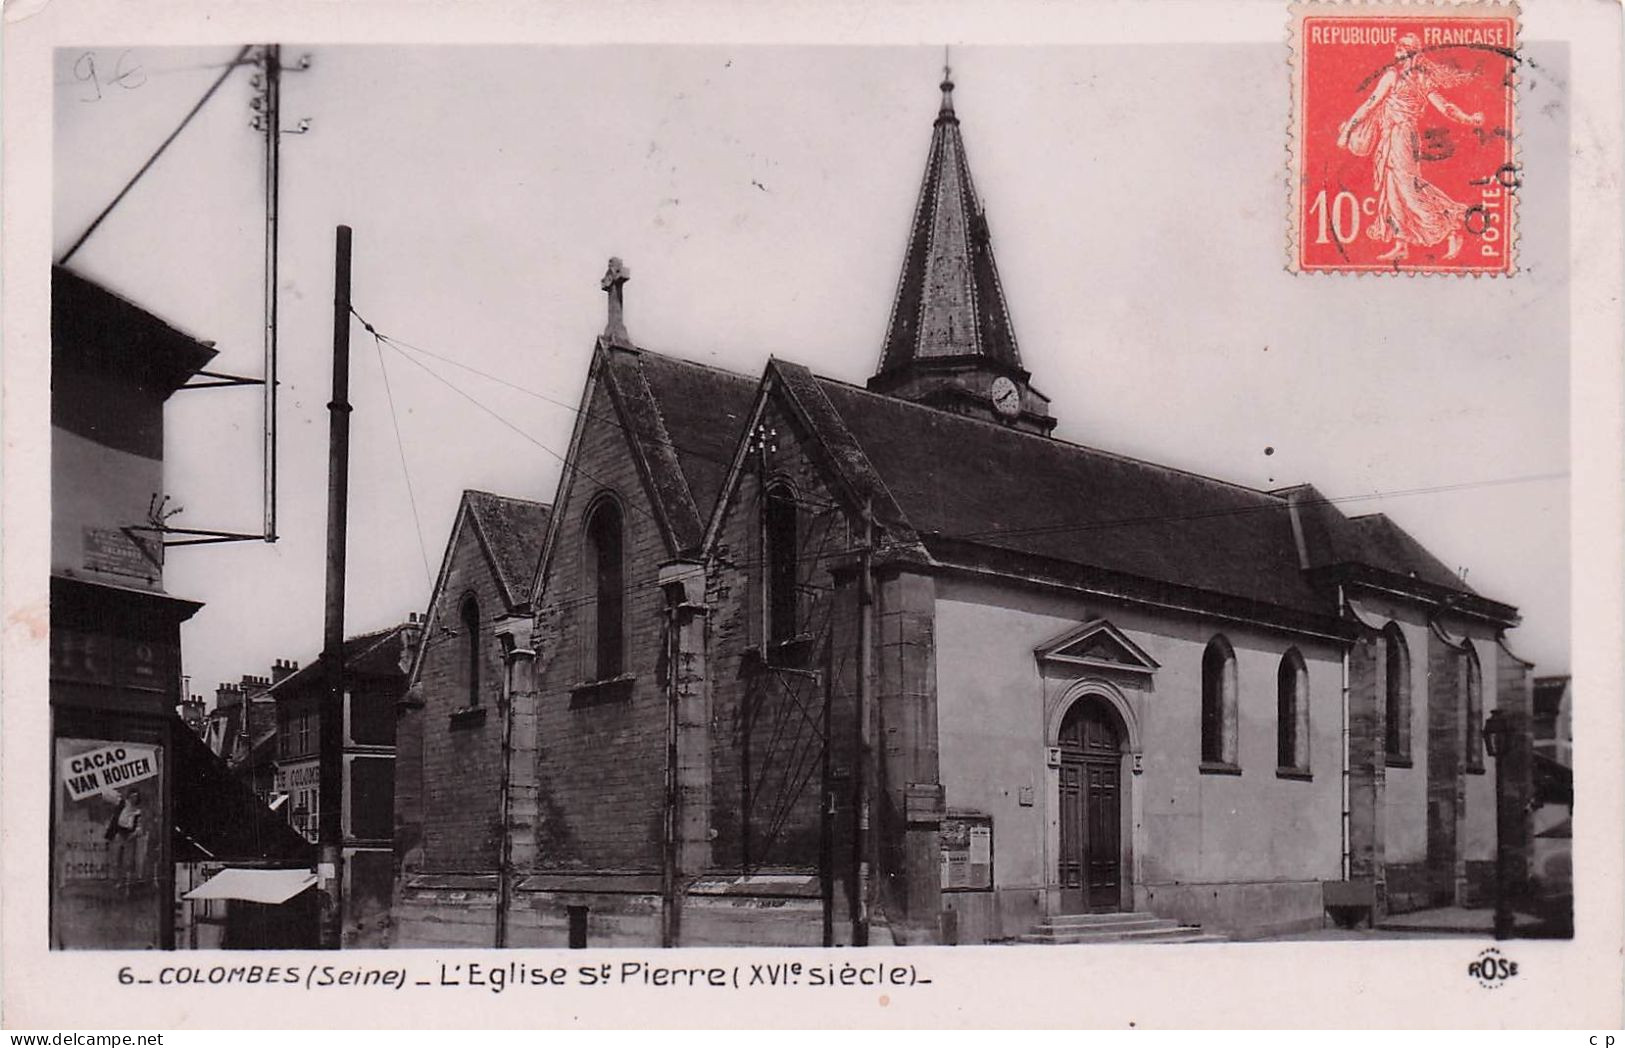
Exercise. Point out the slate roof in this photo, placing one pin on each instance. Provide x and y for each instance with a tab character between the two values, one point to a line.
1372	540
669	490
1380	543
960	482
962	478
704	411
375	654
949	302
512	531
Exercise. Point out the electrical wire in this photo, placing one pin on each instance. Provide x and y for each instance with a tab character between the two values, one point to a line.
187	119
499	417
820	506
1263	507
577	409
400	445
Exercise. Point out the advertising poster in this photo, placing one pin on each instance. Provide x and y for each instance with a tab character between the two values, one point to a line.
106	869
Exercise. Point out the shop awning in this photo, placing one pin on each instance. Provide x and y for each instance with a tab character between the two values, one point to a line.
266	886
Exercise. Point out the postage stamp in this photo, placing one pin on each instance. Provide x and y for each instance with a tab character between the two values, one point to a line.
1403	145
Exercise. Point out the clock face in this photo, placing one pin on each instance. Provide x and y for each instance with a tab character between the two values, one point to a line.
1006	398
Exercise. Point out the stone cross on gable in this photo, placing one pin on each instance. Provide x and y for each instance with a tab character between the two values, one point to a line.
615	278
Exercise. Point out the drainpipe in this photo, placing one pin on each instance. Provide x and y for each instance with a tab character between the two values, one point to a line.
1343	824
511	655
668	846
864	772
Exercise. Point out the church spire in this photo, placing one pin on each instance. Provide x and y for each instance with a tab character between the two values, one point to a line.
950	339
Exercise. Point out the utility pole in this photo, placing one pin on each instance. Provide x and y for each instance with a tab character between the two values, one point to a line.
270	120
330	837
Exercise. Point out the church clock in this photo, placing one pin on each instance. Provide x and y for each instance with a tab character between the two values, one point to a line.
1006	398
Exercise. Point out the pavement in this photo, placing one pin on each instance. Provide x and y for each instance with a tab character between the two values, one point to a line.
1439	922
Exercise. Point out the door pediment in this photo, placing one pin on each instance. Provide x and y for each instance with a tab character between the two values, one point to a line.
1096	644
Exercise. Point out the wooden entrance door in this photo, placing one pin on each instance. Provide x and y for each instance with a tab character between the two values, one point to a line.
1091	810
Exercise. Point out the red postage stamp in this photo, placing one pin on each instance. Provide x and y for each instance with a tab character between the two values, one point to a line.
1403	149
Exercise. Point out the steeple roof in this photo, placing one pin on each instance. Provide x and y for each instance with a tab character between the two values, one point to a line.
949	302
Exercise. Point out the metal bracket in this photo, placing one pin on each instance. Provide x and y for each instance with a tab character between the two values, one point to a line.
223	380
205	536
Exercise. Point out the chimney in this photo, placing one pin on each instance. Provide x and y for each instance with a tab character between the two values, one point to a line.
282	670
411	637
191	711
228	696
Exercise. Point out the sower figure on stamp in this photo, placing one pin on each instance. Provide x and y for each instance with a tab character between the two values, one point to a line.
1410	209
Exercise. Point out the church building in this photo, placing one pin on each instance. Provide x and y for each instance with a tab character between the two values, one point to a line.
805	662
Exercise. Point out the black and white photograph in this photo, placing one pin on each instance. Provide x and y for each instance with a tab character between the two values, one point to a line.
837	495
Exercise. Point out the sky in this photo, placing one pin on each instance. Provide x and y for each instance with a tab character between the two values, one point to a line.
760	196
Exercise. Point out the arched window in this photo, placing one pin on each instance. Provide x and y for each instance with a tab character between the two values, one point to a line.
1396	694
471	652
779	524
1473	684
1292	713
605	582
1219	703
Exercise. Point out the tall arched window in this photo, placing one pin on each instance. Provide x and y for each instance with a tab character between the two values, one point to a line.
1292	713
1473	684
471	651
1396	694
1219	703
779	524
605	583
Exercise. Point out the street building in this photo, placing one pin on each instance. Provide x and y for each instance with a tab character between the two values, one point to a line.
241	730
375	667
135	792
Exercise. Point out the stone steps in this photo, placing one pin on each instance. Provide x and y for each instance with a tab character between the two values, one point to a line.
1079	928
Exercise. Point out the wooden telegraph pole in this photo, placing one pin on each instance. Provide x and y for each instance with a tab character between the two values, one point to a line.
330	837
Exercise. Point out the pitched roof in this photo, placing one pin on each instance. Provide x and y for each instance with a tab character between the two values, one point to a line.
95	329
1380	543
704	410
1373	548
656	455
375	654
960	482
512	531
949	302
966	479
846	456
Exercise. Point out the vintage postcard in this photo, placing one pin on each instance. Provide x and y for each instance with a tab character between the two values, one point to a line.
679	516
